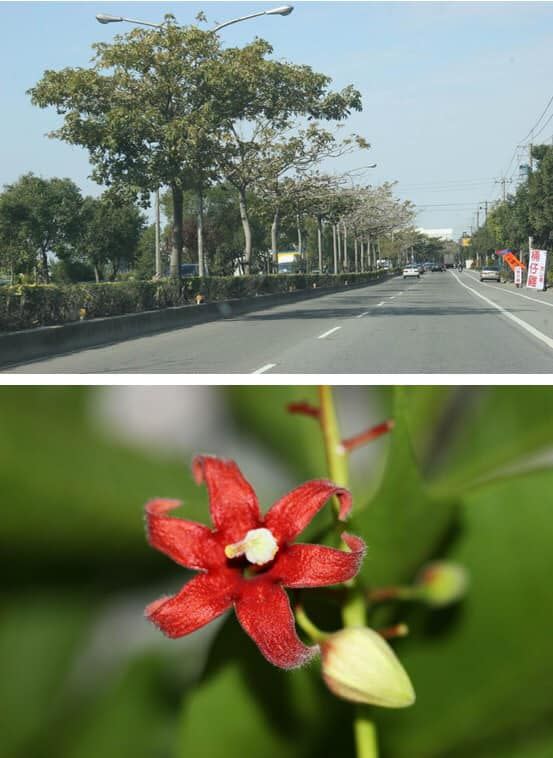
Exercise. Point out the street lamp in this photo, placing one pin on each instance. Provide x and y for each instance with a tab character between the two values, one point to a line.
283	10
104	18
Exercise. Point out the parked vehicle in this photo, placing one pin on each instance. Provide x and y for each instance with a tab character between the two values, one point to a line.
490	274
290	262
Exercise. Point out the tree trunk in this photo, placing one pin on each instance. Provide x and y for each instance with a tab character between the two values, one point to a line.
97	274
320	243
369	259
159	272
275	230
356	255
200	231
346	262
247	231
177	241
339	241
44	266
300	241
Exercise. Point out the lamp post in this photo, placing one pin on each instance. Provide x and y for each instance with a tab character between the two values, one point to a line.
283	10
105	18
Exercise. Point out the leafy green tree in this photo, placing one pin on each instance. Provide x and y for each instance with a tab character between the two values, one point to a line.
38	217
109	236
540	196
142	111
263	142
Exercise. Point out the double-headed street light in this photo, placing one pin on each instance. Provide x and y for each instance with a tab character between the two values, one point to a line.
282	10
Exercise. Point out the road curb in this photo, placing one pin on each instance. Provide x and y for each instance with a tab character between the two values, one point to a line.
47	341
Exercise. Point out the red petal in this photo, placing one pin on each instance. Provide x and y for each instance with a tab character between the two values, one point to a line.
264	611
205	597
190	544
232	500
290	515
317	566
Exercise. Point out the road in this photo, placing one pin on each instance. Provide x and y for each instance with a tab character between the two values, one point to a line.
443	323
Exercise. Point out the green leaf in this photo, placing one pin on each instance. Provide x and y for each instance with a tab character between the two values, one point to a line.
483	672
403	524
492	429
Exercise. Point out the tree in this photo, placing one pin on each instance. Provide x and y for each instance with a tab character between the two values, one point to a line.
261	144
39	217
141	111
109	236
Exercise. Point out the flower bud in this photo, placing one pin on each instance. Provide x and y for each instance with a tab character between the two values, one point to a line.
442	583
360	666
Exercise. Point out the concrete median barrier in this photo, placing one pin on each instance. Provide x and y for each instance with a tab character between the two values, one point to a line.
31	344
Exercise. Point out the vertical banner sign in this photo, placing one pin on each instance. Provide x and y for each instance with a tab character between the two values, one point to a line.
536	269
518	275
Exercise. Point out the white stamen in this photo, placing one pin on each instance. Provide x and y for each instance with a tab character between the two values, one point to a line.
259	546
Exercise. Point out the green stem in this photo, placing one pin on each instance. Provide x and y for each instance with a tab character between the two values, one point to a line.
305	623
354	609
365	733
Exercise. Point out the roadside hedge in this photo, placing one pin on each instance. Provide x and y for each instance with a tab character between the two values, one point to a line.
28	306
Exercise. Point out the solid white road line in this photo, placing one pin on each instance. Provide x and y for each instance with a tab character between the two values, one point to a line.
330	331
362	314
263	369
509	291
530	329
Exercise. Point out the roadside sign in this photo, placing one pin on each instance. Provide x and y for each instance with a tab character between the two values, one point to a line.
512	261
536	269
518	275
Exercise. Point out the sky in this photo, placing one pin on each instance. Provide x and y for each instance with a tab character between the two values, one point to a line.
450	89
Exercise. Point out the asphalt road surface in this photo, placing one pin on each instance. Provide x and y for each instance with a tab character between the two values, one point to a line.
441	323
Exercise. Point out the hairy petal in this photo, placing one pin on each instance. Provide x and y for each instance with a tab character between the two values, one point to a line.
205	597
264	611
292	513
316	565
186	542
232	500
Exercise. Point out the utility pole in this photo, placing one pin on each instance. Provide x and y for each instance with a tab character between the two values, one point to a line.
503	181
530	238
158	235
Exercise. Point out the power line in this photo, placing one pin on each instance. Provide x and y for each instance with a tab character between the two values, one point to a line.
538	121
543	127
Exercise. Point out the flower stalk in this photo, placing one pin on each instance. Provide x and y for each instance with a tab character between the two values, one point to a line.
354	609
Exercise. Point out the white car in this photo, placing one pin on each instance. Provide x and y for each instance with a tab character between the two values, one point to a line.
490	274
409	271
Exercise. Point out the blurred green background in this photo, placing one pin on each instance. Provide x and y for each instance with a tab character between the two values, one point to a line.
467	474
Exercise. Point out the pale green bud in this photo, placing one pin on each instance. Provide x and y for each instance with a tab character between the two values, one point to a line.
442	583
360	666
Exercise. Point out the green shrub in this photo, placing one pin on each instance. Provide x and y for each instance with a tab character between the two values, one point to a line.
25	306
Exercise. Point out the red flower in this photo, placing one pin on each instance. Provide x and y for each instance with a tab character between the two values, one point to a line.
247	559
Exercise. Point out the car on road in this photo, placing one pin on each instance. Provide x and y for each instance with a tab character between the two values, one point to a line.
437	267
410	271
490	274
